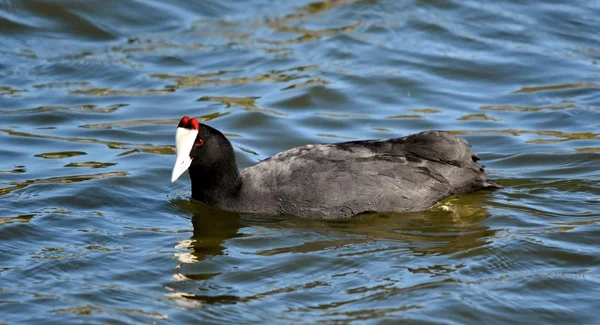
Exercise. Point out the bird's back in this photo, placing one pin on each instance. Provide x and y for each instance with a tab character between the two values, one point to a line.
340	180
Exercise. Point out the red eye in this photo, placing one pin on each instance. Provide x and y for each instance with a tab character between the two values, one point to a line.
200	143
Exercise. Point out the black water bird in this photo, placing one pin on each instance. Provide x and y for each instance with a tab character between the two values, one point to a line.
329	180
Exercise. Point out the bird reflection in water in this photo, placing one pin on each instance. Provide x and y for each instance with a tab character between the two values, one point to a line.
456	226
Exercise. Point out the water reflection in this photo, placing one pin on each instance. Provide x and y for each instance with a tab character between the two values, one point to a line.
248	103
453	225
83	108
226	245
556	87
148	148
14	186
212	228
211	79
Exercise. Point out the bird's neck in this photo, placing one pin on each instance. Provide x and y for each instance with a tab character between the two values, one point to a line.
217	186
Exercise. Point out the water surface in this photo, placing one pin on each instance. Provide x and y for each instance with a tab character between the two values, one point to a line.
91	230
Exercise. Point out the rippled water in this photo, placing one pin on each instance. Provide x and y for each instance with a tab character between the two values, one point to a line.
91	230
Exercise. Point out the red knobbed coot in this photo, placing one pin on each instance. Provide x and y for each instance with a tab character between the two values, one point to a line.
329	180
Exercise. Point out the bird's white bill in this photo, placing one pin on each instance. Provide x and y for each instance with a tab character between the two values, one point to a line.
184	142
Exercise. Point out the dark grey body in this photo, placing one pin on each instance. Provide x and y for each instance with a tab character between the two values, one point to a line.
344	179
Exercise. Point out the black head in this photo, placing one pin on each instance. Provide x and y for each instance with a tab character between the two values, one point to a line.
208	155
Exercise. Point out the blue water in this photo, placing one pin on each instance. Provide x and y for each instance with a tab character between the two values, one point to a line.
91	230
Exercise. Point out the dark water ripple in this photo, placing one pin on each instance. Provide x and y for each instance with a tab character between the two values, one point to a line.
92	232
